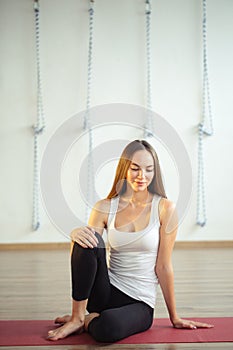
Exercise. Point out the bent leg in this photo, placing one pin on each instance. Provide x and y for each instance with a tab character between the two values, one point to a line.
90	278
89	281
116	324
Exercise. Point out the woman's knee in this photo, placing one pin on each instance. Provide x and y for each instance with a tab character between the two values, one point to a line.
101	243
78	251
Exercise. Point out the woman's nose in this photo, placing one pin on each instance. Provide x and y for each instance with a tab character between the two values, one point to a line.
141	173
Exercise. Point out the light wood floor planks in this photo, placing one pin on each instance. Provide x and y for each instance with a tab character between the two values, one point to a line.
36	285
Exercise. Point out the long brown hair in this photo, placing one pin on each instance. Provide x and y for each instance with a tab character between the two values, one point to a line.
119	183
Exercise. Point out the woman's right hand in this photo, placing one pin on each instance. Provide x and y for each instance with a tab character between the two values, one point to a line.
84	236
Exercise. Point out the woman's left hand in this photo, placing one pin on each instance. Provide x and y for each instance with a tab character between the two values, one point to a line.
180	323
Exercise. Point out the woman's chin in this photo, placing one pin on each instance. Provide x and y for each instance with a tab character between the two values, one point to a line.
140	188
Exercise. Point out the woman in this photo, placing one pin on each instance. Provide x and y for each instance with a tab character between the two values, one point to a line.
141	224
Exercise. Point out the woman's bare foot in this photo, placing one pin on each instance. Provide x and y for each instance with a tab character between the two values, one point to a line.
62	320
67	329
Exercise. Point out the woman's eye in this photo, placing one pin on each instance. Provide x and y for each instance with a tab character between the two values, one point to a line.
135	169
147	170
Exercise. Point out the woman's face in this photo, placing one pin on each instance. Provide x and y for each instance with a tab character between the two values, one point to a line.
141	171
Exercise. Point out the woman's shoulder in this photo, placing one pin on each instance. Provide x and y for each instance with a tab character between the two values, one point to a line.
166	203
103	205
166	207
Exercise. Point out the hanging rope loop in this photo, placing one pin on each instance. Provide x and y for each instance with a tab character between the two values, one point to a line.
205	127
39	126
87	122
207	118
148	127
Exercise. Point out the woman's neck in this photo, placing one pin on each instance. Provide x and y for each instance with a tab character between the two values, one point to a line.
137	199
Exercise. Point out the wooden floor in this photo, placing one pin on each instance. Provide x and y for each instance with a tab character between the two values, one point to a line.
36	285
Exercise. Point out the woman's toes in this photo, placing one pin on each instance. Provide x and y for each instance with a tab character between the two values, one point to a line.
51	334
65	330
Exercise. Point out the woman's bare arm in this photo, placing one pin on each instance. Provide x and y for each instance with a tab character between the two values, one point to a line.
85	236
164	268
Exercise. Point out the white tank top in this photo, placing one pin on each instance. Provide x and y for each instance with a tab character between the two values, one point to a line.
133	256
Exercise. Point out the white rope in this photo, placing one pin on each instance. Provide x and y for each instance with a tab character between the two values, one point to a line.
149	126
205	127
39	127
87	121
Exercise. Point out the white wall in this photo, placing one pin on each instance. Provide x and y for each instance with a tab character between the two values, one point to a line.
118	76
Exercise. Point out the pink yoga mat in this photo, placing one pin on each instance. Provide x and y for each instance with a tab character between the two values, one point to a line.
33	332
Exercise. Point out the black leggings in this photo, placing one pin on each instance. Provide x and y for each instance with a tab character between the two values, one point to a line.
120	315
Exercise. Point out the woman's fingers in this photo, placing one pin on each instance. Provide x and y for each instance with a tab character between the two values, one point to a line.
89	237
184	324
91	232
191	324
85	236
84	243
203	325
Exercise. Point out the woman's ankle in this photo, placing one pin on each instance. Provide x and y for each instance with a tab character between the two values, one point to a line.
78	318
78	311
89	318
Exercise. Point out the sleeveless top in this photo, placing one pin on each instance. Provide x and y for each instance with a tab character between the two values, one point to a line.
133	256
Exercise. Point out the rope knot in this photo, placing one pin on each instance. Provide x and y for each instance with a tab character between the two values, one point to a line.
201	223
147	132
201	127
38	130
36	226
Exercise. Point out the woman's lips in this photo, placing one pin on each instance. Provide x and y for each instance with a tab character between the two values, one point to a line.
140	183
